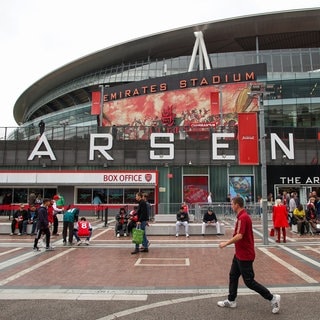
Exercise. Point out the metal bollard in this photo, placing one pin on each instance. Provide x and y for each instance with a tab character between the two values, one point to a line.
106	217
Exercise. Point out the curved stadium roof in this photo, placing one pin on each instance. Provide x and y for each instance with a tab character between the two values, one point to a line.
280	30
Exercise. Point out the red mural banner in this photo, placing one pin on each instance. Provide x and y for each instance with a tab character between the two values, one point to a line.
96	101
248	138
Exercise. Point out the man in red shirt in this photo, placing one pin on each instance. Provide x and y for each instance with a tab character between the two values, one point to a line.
242	263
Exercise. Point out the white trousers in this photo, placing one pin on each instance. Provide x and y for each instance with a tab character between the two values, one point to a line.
205	224
182	223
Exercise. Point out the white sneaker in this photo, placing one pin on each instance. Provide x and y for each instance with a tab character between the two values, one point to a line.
275	303
87	242
79	243
125	234
177	234
227	304
118	235
187	235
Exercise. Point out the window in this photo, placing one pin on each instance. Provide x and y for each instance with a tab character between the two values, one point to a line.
84	196
130	195
20	195
115	196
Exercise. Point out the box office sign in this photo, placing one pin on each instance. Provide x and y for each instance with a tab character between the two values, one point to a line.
135	177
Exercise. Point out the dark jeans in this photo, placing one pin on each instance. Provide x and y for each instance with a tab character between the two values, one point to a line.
24	226
45	231
55	224
13	226
67	228
120	227
245	269
34	226
131	225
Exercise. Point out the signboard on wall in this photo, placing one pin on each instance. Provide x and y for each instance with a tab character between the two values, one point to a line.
135	177
242	186
195	189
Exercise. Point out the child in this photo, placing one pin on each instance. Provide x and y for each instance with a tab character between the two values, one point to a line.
83	229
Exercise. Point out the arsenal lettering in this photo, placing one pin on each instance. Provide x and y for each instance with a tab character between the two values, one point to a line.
164	142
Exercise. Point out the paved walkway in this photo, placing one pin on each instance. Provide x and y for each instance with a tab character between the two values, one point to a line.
179	278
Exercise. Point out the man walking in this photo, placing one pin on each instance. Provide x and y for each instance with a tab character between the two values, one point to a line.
43	225
143	219
242	263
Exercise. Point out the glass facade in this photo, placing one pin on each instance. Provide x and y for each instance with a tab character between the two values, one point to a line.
112	195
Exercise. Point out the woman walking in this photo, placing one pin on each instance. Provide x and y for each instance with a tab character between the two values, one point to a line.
280	219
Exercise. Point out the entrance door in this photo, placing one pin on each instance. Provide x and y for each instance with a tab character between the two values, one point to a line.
302	191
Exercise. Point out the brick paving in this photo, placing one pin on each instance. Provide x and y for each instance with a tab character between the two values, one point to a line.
107	262
173	265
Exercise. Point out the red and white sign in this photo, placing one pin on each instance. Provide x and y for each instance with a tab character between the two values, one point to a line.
96	101
82	177
129	178
248	138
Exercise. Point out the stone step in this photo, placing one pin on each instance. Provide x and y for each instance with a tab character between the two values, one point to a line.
5	228
170	217
158	228
169	229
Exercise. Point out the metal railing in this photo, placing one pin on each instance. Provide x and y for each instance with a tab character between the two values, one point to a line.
142	132
221	209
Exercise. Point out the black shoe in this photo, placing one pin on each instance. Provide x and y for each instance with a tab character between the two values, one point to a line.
144	250
135	252
36	249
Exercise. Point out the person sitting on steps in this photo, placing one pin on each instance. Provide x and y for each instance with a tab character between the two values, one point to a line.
210	219
182	220
121	222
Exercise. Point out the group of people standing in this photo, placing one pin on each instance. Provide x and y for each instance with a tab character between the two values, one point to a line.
43	217
82	228
289	212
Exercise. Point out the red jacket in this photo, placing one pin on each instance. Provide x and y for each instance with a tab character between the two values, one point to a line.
280	216
83	228
50	214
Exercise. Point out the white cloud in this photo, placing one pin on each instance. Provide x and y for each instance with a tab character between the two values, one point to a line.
39	36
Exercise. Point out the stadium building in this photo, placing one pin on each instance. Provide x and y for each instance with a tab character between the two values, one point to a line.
178	114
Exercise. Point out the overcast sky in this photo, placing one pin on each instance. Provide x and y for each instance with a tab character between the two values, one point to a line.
40	36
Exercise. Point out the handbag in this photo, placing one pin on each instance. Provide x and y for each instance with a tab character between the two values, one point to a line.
137	235
272	232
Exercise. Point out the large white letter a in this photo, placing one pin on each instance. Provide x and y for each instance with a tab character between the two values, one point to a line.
47	152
